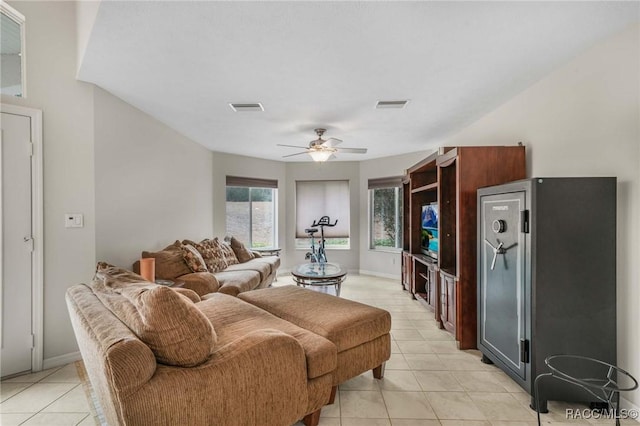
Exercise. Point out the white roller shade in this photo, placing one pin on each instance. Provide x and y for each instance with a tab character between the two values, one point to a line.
315	199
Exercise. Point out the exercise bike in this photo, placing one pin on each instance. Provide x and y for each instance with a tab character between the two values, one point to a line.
319	255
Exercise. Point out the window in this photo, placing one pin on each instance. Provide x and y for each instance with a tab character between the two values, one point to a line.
251	211
12	50
385	213
315	199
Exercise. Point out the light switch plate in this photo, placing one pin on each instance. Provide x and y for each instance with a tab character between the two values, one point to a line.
73	220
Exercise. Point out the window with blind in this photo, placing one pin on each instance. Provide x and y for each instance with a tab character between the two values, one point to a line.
385	213
315	199
252	210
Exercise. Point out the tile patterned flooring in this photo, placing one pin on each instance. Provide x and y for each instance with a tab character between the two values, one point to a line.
427	382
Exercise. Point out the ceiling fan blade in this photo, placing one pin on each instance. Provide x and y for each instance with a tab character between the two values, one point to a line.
353	150
331	142
293	146
291	155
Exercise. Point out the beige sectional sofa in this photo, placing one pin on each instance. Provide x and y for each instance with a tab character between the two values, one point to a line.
239	270
156	357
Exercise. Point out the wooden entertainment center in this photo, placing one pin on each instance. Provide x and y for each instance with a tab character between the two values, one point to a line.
448	179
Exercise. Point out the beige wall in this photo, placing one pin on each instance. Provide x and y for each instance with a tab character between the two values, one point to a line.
67	110
377	262
152	184
584	120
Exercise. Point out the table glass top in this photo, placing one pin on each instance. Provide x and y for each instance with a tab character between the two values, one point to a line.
318	270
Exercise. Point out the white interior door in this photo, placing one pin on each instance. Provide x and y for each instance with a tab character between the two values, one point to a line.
17	245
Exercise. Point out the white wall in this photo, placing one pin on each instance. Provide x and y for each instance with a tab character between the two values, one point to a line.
377	262
170	206
152	184
584	120
86	13
67	108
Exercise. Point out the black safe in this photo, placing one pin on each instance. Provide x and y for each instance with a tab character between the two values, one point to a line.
547	277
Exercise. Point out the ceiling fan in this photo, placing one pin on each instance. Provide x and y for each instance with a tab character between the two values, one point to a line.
323	149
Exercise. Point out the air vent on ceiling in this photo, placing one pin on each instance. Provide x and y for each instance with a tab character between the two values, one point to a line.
391	104
247	107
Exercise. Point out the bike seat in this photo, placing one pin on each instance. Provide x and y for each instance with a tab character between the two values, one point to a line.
311	231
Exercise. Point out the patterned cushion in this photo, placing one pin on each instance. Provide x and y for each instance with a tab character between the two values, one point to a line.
171	325
170	262
211	252
193	258
229	255
240	250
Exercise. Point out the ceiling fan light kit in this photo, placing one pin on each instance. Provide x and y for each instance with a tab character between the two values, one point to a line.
322	150
320	156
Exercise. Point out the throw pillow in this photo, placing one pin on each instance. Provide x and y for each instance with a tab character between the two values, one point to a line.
108	275
170	262
193	258
242	253
211	252
191	295
171	325
228	253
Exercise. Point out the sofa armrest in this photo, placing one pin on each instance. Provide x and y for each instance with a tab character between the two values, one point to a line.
200	282
259	378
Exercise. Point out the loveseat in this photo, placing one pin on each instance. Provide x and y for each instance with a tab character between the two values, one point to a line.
212	266
158	356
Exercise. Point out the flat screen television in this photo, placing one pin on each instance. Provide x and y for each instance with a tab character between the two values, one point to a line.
429	230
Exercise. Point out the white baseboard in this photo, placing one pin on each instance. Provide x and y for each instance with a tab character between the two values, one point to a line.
380	274
626	404
58	361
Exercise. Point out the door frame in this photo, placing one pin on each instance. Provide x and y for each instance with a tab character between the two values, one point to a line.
37	230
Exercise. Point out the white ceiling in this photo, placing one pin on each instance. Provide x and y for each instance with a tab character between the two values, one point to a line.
325	64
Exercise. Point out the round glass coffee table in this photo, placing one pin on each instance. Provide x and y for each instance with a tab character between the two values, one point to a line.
319	274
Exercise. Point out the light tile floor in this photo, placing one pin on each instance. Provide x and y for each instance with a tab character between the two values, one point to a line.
52	397
428	382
